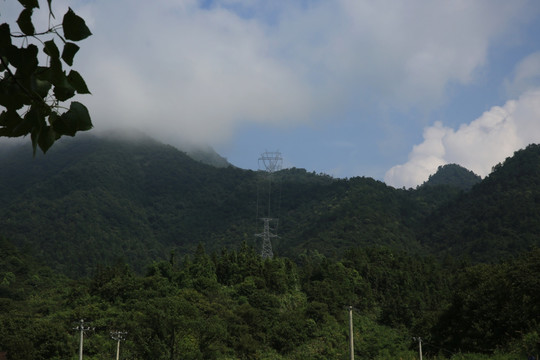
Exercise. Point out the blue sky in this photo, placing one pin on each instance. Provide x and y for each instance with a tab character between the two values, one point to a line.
384	89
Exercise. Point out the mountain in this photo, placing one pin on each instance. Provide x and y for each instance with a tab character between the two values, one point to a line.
453	175
93	200
105	206
498	218
208	156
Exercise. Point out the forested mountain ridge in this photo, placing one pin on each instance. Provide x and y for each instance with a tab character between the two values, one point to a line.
453	175
92	200
498	218
103	198
142	238
96	199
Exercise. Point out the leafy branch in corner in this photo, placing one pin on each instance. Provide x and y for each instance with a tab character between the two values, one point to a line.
32	93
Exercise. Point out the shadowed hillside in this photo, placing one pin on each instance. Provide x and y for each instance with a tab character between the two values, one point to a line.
92	200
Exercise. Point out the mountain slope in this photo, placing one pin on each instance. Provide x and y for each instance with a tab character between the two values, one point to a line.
453	175
499	217
92	200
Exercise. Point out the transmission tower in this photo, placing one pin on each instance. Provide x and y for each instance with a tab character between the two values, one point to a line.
269	163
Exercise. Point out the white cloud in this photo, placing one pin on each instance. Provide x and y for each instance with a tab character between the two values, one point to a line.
526	75
199	74
186	73
477	146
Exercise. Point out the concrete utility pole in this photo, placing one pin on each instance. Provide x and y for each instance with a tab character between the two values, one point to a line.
118	336
81	328
351	339
419	339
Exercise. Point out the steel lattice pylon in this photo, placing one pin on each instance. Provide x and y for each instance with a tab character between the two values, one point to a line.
266	235
269	162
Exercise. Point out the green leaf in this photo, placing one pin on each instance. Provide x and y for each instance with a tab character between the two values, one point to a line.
64	91
25	22
76	80
12	97
51	49
56	74
46	138
36	130
27	123
74	26
9	119
70	49
5	37
40	87
75	119
24	59
43	73
30	4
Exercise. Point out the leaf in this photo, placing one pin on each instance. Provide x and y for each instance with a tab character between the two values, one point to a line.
41	87
9	119
30	4
46	138
76	80
64	91
5	37
25	59
12	97
51	49
27	123
55	74
74	26
37	120
75	119
70	49
25	22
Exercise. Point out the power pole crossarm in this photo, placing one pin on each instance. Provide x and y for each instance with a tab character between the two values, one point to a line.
81	328
419	339
118	336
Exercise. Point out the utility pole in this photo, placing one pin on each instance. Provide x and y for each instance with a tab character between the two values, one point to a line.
351	334
118	336
419	339
81	328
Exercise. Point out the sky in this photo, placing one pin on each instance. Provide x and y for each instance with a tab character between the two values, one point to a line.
383	89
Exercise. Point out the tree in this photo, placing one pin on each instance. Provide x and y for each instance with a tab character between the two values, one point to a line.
32	94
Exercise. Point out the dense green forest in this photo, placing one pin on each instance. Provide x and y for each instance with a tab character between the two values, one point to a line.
135	235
